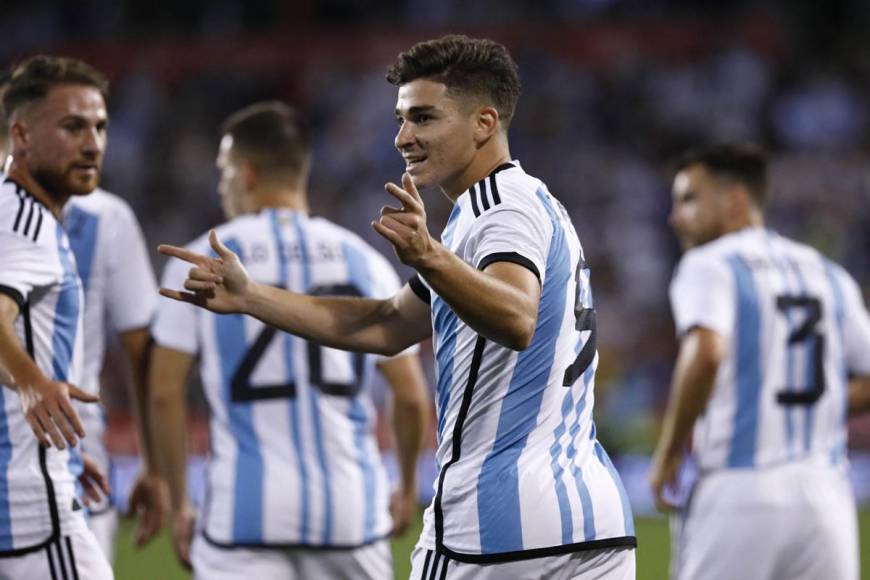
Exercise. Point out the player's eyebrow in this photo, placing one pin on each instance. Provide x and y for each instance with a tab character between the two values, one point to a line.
417	110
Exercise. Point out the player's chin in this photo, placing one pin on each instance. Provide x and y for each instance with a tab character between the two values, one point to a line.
82	186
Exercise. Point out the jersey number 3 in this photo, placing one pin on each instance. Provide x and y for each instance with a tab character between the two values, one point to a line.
806	335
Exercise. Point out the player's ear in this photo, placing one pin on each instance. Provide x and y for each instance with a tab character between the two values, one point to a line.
19	136
486	123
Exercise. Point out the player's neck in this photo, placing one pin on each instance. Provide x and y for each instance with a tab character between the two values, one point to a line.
488	158
752	219
21	175
293	199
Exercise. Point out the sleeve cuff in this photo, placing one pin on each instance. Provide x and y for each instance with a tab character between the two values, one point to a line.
512	257
419	289
14	294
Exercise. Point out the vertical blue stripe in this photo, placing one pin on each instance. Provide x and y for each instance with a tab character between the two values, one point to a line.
445	323
247	526
565	516
498	499
628	519
5	458
81	227
838	453
747	367
360	276
308	392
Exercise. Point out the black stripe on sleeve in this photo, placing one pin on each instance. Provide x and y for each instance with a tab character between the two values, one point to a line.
496	199
29	218
14	294
419	289
38	226
20	209
473	195
481	187
435	566
444	569
60	559
72	558
510	257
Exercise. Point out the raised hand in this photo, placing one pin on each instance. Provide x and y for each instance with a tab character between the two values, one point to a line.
48	409
405	227
218	284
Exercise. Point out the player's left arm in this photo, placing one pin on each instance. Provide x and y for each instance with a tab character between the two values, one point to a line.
701	353
859	396
410	415
500	302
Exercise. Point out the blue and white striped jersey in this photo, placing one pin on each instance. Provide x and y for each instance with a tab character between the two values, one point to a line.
796	325
293	458
38	271
521	472
120	292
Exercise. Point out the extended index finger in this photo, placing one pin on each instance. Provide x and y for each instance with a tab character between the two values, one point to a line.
408	183
183	254
407	200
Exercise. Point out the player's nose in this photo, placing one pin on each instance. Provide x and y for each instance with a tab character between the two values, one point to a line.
404	136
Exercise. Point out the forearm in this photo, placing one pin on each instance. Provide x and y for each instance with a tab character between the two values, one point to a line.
136	344
347	323
410	419
495	309
859	396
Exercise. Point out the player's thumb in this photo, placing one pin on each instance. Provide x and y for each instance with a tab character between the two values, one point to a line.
218	246
80	395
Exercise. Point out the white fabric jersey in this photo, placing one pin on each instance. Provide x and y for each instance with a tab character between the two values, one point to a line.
521	472
38	270
796	325
293	455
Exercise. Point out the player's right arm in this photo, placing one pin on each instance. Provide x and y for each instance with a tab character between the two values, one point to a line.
167	379
45	403
222	285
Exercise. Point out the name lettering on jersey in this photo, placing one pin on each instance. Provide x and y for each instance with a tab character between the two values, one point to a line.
28	219
261	252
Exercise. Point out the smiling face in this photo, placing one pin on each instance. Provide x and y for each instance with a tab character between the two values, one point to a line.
436	135
62	138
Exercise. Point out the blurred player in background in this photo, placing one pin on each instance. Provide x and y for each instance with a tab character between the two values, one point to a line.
524	490
770	334
120	294
296	488
4	126
56	113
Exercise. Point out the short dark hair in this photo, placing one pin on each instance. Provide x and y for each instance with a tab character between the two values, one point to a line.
5	74
474	66
743	163
31	80
271	136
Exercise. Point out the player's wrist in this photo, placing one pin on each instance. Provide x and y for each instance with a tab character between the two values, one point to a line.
431	261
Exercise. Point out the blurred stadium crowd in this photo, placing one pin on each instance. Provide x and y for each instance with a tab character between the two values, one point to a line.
612	89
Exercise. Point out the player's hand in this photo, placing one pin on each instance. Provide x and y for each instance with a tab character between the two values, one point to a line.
218	284
94	481
149	503
403	509
182	533
47	407
663	480
405	227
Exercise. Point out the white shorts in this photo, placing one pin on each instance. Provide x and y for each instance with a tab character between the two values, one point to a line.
73	557
103	522
370	562
795	521
605	564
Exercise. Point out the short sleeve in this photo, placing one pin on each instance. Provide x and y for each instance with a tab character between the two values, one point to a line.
856	329
131	290
24	266
174	324
510	233
702	295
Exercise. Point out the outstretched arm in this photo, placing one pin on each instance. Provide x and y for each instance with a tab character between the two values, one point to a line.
500	302
410	416
46	404
859	396
349	323
701	353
